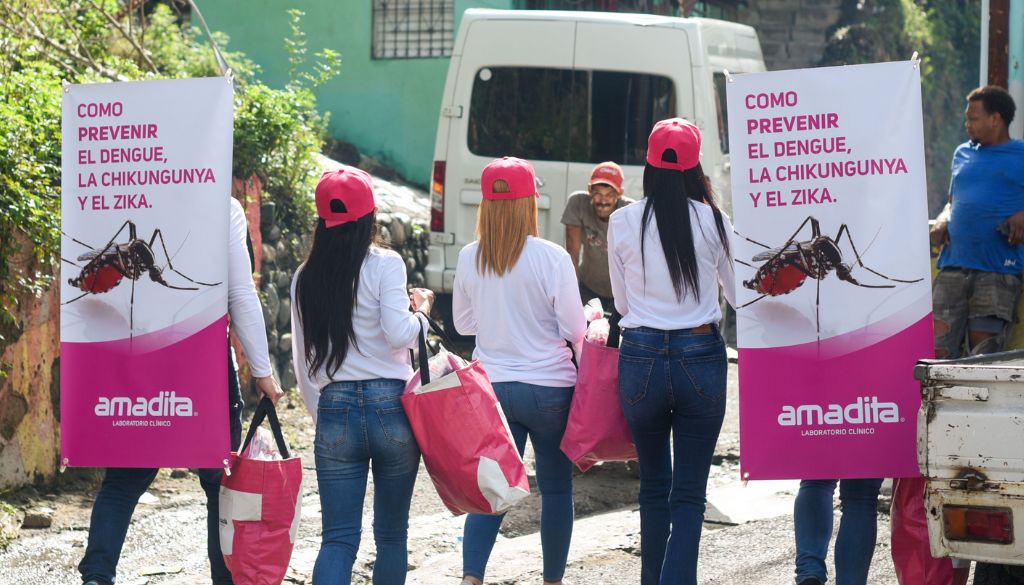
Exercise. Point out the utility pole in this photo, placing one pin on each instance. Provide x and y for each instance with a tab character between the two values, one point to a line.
1015	66
1002	52
998	42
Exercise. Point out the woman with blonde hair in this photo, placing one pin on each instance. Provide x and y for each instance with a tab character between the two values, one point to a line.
518	294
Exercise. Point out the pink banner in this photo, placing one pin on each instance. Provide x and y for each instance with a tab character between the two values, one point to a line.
827	410
122	407
832	280
146	180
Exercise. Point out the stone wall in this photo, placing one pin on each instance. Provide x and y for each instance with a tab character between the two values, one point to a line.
792	32
30	394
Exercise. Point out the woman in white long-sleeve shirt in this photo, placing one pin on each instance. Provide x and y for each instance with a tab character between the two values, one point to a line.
351	332
122	486
667	254
519	295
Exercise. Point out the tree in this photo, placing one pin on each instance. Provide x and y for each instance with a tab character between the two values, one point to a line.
946	35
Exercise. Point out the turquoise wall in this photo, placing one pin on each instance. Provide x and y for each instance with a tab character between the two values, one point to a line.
388	108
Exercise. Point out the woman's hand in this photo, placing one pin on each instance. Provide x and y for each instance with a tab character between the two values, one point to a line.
422	299
269	387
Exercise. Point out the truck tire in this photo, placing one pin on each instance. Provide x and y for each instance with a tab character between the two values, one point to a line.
989	574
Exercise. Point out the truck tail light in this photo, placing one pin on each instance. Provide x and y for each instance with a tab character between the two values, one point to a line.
437	197
978	524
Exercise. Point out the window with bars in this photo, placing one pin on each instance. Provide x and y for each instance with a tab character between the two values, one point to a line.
413	29
663	7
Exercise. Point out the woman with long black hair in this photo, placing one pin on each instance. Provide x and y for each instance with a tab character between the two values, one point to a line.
668	253
351	332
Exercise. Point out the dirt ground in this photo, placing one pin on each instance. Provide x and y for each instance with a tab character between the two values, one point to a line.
747	538
174	507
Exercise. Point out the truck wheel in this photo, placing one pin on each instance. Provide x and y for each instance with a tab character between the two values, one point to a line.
989	574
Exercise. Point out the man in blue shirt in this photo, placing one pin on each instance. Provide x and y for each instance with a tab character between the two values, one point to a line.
982	227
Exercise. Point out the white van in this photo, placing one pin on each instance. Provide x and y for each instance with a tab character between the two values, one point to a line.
567	90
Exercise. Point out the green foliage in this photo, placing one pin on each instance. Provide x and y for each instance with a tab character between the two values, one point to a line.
276	136
277	132
945	33
45	43
9	522
326	66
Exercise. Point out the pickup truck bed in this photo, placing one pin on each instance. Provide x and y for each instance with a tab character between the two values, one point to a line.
970	445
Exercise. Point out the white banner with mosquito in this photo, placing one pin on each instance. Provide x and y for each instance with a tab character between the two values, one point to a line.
832	268
145	184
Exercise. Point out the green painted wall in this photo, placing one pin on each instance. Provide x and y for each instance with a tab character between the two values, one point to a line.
388	108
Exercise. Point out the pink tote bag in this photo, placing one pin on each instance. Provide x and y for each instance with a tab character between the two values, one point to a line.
597	429
462	433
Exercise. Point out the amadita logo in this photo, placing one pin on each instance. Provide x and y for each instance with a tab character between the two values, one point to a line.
164	404
867	409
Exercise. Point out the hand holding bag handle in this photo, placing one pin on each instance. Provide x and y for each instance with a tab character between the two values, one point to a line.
265	409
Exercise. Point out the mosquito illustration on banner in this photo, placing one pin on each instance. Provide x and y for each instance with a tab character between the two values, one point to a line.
787	267
108	266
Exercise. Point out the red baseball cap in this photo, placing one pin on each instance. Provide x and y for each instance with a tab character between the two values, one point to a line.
607	173
677	134
517	173
351	187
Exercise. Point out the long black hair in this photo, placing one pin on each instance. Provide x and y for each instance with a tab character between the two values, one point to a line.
669	195
326	290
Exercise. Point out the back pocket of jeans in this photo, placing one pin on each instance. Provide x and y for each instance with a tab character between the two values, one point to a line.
634	376
395	425
331	428
552	400
708	376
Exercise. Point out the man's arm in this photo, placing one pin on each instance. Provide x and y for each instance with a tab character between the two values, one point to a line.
573	238
1015	223
572	218
939	233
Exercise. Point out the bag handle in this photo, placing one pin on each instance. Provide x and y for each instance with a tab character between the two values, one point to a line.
424	367
614	331
265	409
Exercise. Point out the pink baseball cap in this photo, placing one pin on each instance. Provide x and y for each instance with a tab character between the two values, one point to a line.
517	173
607	173
351	187
679	135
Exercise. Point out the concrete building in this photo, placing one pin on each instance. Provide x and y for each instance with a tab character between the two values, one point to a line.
395	54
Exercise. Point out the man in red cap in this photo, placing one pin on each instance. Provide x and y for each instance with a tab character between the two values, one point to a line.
586	226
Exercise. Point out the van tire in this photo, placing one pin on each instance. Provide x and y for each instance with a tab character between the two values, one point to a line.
989	574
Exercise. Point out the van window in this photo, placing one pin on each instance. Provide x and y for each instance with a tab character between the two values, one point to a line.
721	106
566	115
521	111
621	109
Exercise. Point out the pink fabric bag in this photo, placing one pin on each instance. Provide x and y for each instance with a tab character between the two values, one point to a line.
260	504
597	429
462	433
911	553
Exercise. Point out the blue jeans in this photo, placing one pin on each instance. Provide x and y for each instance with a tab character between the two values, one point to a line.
120	492
361	425
672	382
539	412
812	516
